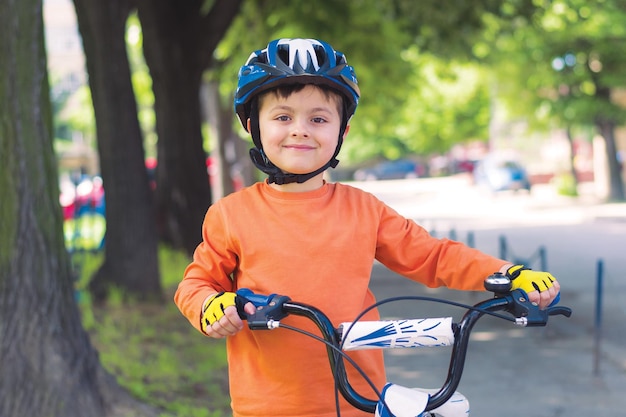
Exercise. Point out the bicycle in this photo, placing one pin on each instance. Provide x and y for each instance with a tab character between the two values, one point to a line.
395	400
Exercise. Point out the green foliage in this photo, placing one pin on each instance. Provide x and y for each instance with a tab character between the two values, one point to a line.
565	184
73	111
77	115
451	104
452	29
381	44
172	264
560	66
85	232
84	265
142	84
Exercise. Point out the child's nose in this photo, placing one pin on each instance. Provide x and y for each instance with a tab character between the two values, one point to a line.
299	128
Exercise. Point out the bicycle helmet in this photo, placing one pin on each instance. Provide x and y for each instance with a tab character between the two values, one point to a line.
285	62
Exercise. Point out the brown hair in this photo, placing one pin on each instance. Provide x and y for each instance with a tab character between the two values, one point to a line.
284	91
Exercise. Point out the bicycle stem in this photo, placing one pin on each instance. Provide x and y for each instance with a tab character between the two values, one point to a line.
336	361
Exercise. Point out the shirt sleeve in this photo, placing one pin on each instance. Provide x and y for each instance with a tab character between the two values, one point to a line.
409	250
211	269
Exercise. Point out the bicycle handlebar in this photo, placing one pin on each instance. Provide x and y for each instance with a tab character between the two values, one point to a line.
270	309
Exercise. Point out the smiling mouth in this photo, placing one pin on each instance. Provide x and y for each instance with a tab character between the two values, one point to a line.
299	147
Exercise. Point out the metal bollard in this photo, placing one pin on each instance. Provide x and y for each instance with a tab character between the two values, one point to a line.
470	240
598	319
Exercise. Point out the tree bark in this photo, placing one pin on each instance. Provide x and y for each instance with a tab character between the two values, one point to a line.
572	156
179	40
47	365
131	240
230	153
606	129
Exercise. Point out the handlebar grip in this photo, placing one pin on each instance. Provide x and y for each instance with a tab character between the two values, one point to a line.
256	299
269	308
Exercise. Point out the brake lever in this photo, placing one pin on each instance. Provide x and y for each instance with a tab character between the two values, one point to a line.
528	314
559	311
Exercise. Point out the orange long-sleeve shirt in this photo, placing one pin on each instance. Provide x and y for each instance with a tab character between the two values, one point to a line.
316	247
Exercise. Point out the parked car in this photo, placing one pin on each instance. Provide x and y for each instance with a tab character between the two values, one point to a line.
501	174
388	170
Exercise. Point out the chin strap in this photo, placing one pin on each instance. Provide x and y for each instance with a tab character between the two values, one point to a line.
276	175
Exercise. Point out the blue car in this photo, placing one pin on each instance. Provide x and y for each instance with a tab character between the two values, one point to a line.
389	170
499	174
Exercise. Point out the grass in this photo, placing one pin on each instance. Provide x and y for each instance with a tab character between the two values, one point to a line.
566	185
153	350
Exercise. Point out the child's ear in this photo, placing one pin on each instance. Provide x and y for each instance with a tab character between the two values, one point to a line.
248	125
345	133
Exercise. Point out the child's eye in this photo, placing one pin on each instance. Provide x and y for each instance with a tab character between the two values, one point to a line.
318	120
282	118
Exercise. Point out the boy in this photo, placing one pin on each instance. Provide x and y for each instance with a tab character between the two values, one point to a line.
314	241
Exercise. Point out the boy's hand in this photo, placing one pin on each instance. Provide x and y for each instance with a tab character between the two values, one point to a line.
542	288
220	317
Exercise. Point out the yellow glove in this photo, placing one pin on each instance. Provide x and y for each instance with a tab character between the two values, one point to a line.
529	280
214	306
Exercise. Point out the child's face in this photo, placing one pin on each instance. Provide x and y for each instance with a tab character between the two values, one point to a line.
300	132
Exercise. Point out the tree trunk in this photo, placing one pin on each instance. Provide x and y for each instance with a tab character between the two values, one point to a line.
179	40
572	156
131	261
47	363
606	128
230	153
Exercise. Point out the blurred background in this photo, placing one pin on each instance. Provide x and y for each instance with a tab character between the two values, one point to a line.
534	88
477	115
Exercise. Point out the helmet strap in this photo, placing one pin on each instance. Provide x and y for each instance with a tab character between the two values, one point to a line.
276	175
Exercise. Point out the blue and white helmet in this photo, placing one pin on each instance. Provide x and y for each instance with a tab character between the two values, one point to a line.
295	61
287	62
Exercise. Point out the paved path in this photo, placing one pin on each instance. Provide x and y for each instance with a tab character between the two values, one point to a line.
516	372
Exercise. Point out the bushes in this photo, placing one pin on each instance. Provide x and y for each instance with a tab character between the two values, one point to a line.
566	185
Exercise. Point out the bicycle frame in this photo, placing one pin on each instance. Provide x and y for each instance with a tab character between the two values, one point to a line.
272	308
